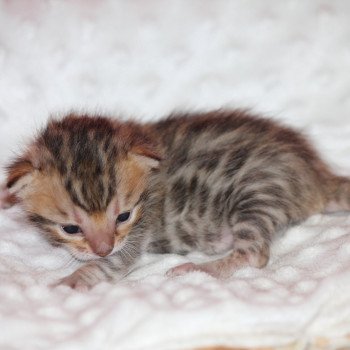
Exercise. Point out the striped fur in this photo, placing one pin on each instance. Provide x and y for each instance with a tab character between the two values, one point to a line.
218	182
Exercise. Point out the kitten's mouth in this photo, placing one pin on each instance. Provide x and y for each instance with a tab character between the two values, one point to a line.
104	250
88	256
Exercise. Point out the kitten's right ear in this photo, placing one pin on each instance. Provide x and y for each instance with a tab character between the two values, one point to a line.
17	170
18	176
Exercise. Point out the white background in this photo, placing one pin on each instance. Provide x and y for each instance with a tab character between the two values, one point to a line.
286	59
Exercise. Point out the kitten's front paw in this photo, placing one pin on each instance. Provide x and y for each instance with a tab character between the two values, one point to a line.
75	281
80	280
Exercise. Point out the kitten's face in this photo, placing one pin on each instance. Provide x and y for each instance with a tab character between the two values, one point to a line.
86	234
79	188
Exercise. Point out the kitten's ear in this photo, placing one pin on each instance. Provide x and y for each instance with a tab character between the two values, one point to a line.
147	156
18	176
18	169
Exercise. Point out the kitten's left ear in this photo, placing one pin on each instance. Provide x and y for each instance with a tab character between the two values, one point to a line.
146	155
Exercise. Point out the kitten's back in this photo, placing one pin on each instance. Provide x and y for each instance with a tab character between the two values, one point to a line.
221	166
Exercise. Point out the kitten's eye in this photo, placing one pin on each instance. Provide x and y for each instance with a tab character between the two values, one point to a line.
123	217
71	229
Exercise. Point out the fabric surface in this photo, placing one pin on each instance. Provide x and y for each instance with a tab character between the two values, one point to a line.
287	59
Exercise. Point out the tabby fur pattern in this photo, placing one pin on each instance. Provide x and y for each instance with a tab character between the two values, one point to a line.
223	182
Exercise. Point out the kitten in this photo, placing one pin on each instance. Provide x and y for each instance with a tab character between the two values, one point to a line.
218	182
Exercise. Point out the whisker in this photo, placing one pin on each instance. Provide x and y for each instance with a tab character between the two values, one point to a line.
132	248
127	252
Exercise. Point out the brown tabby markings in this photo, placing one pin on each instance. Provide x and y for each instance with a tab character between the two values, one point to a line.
217	182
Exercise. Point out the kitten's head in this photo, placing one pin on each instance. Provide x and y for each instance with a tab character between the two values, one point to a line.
81	181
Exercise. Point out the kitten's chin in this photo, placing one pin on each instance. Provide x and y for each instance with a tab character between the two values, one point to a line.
84	256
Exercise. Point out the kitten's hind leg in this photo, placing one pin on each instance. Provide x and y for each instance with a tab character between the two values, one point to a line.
253	224
254	218
255	254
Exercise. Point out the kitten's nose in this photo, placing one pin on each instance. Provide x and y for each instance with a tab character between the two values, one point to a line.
101	243
104	249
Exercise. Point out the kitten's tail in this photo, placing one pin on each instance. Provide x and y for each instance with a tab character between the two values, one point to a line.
338	194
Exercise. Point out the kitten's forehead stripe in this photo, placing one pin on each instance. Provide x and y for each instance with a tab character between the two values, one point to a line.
84	152
87	152
54	142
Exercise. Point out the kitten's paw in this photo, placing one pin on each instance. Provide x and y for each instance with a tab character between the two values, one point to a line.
224	268
181	269
188	267
75	281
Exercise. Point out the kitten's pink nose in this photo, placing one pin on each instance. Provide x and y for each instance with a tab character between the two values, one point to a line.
103	249
101	243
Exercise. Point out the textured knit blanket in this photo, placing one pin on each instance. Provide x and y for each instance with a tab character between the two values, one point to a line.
288	59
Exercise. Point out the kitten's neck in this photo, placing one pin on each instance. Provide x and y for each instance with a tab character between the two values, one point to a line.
153	204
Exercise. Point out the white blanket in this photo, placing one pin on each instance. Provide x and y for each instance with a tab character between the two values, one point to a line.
289	59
